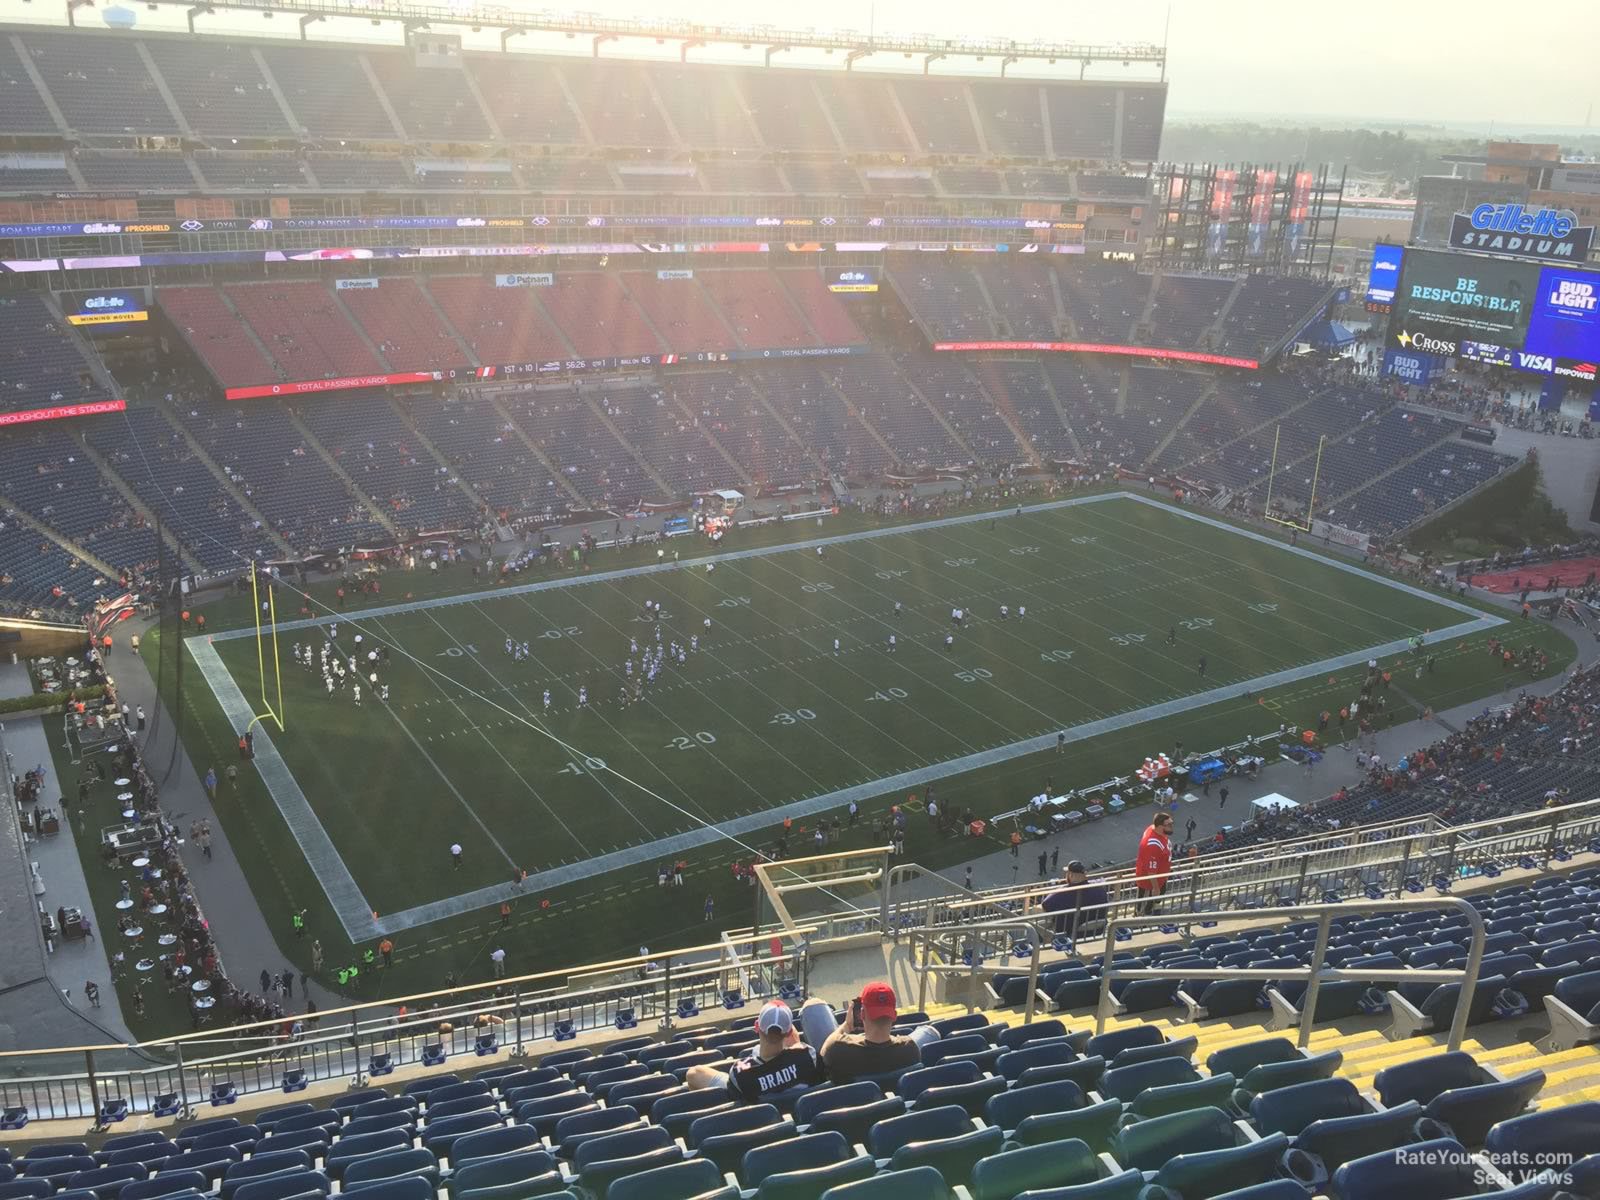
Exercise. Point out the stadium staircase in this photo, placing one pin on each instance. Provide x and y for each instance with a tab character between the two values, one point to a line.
227	304
604	418
164	91
753	382
360	330
741	471
21	517
954	434
857	414
455	476
91	359
1061	411
545	461
109	473
644	316
1334	501
225	481
372	507
1004	410
1002	328
1064	321
1200	401
1211	336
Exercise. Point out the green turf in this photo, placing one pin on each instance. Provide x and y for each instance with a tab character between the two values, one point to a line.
1088	598
766	712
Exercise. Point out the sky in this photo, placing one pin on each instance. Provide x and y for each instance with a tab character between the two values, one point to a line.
1463	62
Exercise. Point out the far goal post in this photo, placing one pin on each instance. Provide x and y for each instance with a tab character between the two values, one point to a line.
1272	479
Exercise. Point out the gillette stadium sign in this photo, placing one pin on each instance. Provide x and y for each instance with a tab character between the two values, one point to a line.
1543	233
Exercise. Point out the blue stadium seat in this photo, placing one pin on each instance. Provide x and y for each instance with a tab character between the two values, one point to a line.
393	1165
1562	1134
1109	1045
855	1121
259	1165
914	1082
1146	1145
1208	1172
529	1173
490	1143
727	1150
1010	1108
953	1157
803	1153
969	1096
1290	1109
286	1186
925	1124
1432	1170
1326	1144
166	1185
1021	1035
1010	1173
590	1123
1013	1064
351	1149
812	1183
674	1181
820	1099
105	1182
1212	1091
1126	1186
1183	1048
1095	1125
1124	1083
742	1118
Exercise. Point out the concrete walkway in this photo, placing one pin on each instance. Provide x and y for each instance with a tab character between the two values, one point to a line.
1113	840
42	1000
241	932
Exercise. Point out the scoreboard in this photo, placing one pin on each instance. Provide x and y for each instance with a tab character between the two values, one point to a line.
1540	319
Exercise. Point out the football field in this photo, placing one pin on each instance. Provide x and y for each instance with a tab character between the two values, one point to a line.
794	701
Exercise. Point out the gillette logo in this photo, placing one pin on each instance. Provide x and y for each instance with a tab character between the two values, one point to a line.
1513	218
95	303
852	277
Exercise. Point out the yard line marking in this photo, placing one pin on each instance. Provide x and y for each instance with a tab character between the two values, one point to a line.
355	914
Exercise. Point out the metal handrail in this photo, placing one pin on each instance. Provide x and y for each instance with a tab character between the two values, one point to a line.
1314	974
1482	835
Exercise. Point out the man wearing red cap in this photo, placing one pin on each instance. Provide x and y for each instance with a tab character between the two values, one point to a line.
778	1062
1154	862
867	1045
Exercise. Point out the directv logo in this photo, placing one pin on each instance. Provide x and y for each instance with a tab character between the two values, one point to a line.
1513	218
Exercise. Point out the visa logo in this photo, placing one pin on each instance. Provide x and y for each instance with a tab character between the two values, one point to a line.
1535	362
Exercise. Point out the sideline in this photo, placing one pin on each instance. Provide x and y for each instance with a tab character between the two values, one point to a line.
355	913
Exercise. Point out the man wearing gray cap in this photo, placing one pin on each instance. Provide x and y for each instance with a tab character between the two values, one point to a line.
777	1063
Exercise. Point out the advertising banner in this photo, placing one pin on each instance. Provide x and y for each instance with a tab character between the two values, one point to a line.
537	279
62	411
1412	367
111	306
356	285
1150	352
854	279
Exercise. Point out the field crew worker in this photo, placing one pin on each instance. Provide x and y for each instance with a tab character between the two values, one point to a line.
1154	861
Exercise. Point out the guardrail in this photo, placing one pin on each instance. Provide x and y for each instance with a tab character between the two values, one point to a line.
504	1016
1315	973
1391	859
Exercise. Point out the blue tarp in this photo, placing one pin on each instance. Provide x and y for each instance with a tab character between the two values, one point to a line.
1328	335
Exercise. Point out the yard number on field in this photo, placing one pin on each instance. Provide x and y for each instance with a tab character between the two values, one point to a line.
889	694
960	562
888	575
566	631
1052	656
587	767
692	741
793	718
1263	606
1194	623
458	651
734	602
1126	639
975	674
816	587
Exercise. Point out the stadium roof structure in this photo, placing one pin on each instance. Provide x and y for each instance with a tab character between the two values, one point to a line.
689	35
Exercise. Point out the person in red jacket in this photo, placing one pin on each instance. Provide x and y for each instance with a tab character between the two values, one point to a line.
1154	862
